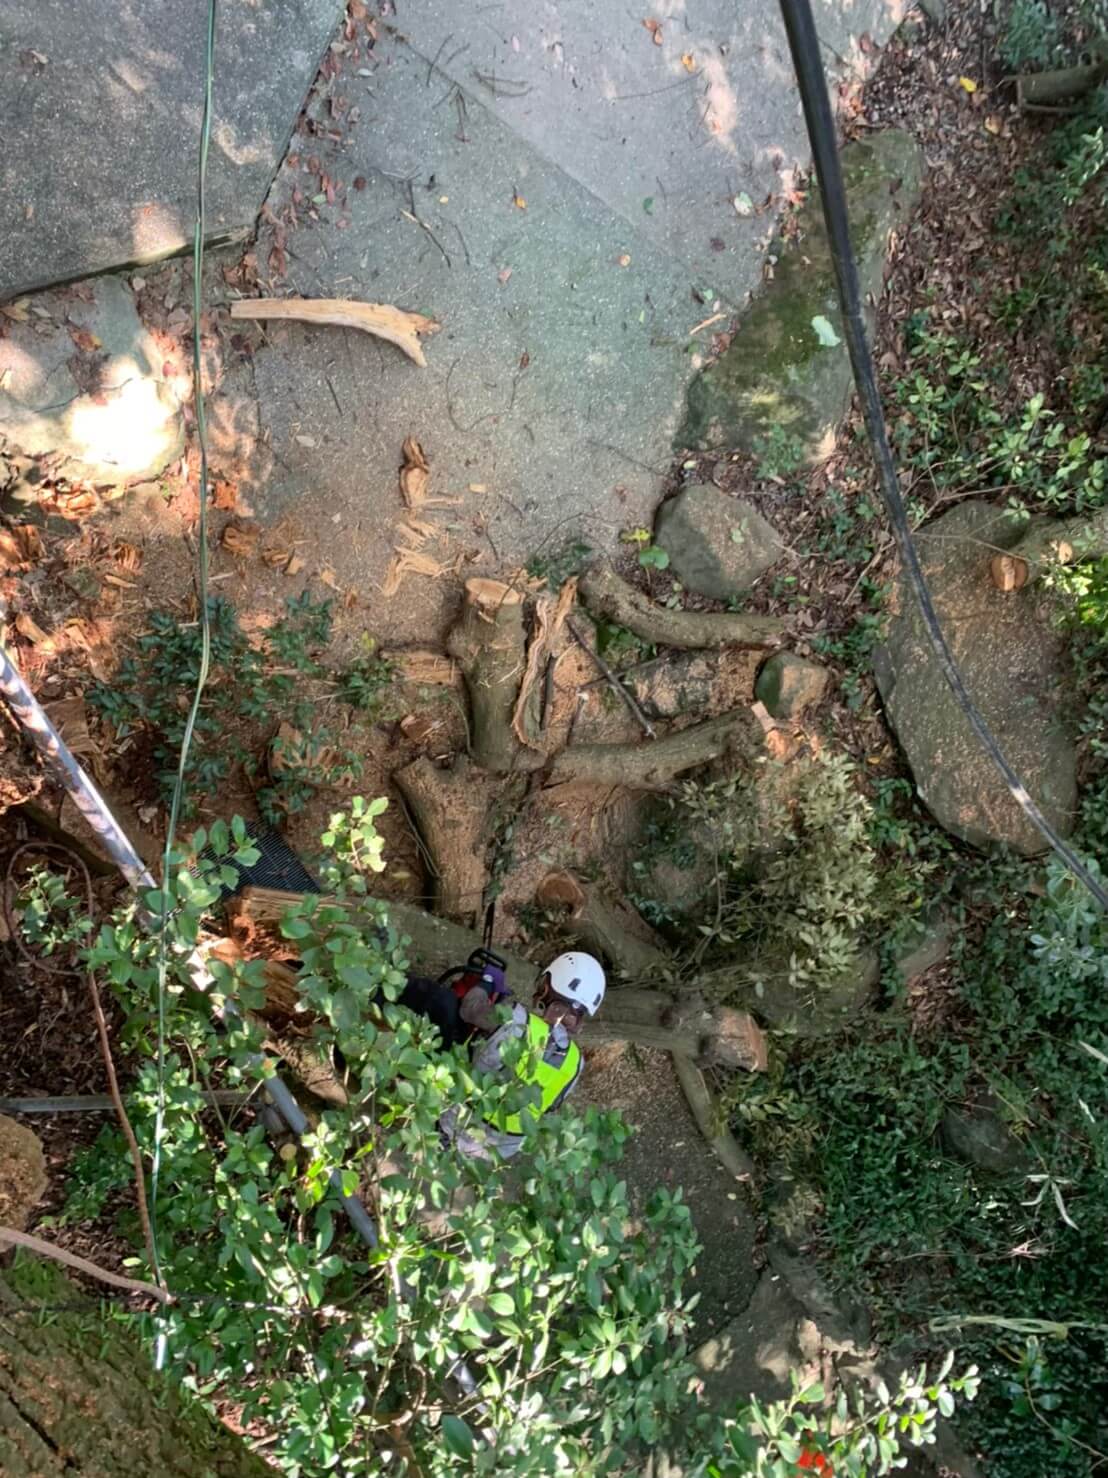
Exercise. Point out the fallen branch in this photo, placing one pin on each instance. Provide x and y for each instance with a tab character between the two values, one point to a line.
607	595
1036	89
712	1034
101	1103
614	683
10	1237
651	766
450	808
1050	541
709	1120
395	325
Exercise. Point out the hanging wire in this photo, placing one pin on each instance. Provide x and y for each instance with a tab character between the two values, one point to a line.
808	65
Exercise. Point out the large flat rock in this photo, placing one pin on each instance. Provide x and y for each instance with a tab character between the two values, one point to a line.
101	104
1015	668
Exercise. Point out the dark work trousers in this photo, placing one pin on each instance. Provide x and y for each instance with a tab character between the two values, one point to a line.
439	1004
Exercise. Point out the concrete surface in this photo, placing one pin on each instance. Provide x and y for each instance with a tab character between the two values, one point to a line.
558	191
101	104
83	388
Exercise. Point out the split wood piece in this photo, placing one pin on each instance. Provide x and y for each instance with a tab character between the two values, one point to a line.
651	766
1043	89
396	325
709	1118
702	1029
424	668
1050	541
612	930
450	808
607	595
489	641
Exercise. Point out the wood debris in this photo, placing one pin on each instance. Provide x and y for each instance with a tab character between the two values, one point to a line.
395	325
410	562
28	627
20	547
415	476
70	717
240	539
425	668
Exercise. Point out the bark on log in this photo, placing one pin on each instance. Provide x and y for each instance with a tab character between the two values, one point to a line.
709	1120
1051	541
653	764
710	1033
1043	88
607	595
613	931
489	643
79	1406
450	809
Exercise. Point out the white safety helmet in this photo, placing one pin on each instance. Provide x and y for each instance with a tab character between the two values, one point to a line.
577	978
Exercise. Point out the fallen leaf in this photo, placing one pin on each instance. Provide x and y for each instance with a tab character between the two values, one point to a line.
688	61
826	335
993	124
84	340
519	202
224	495
655	29
503	275
968	84
240	539
16	311
743	204
625	260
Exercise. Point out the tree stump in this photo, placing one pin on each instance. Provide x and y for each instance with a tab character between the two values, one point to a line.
489	643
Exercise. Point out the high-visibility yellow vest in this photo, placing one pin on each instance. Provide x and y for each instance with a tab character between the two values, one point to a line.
532	1068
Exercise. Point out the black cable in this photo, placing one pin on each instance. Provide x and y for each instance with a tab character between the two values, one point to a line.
808	65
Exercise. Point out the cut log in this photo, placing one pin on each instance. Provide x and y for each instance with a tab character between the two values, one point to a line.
450	808
709	1119
607	595
710	1033
489	642
653	764
382	320
1051	541
612	930
1042	89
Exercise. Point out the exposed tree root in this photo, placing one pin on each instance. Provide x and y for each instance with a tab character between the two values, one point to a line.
450	808
607	595
653	764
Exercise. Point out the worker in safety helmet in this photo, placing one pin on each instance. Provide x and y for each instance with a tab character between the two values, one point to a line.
568	990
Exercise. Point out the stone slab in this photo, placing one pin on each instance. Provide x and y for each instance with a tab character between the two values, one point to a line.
102	105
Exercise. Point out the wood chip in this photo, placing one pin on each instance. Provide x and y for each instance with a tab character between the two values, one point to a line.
294	566
240	539
395	325
425	668
20	547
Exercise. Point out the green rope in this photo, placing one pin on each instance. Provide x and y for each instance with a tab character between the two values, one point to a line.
205	621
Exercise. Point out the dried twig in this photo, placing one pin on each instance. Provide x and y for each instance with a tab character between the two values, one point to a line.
59	1254
613	681
396	325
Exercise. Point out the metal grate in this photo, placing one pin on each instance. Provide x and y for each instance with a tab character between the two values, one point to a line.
277	867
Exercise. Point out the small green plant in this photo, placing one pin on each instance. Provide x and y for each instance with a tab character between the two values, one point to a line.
250	684
51	920
780	454
365	683
650	556
1032	36
557	566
